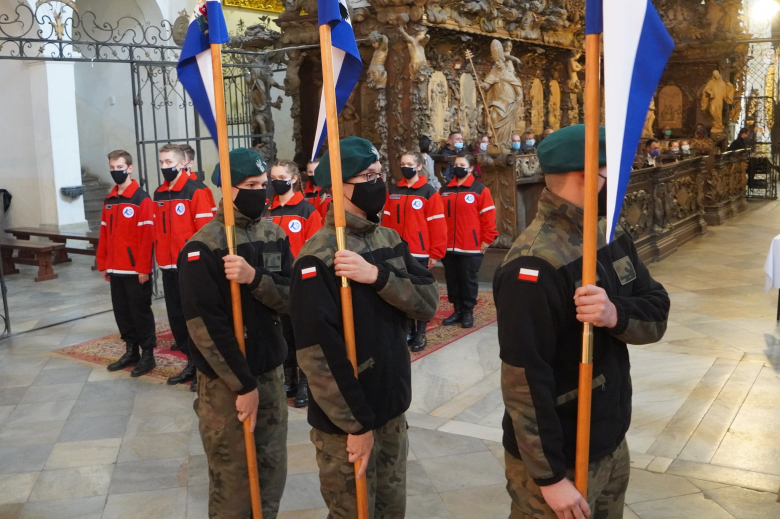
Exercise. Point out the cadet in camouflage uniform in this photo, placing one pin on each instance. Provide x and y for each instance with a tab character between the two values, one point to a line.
541	306
359	418
232	388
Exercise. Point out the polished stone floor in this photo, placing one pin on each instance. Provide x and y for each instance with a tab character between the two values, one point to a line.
78	442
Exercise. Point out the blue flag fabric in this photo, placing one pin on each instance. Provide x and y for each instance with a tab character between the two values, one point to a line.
195	68
347	65
636	50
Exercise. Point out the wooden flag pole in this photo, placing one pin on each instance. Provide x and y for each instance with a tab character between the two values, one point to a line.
340	220
230	231
589	249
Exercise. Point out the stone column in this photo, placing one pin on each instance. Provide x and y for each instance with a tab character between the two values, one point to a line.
56	146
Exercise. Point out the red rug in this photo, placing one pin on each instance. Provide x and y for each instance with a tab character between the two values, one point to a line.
105	350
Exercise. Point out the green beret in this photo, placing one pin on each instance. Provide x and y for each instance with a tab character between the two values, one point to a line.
564	150
244	163
356	155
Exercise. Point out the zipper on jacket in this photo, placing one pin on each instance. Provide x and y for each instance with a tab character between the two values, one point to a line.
422	243
474	233
111	224
398	214
163	222
130	253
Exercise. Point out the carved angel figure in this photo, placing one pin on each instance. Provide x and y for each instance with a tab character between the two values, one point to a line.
574	68
418	63
511	60
377	75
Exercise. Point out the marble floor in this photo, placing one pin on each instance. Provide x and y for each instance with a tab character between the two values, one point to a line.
77	441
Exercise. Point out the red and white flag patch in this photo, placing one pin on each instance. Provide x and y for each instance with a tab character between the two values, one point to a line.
528	275
308	273
193	256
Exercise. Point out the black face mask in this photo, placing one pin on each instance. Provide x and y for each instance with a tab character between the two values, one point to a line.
370	197
602	206
119	175
461	172
170	174
250	202
408	172
281	186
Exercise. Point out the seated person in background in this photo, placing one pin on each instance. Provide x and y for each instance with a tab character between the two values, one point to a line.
741	142
454	147
529	144
517	143
672	154
700	132
665	133
547	132
685	149
647	160
481	144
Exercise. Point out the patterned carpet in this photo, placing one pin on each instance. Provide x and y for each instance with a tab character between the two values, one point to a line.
105	350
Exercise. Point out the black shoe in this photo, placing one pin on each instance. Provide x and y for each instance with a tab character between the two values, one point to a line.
290	381
186	375
302	396
455	318
419	342
175	347
468	319
130	358
145	365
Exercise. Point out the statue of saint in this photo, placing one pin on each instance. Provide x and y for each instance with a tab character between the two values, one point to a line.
715	93
418	63
377	75
503	94
575	87
647	132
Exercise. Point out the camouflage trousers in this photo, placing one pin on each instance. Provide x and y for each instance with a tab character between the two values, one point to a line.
223	441
386	472
607	484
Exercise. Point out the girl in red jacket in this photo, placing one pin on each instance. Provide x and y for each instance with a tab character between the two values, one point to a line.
471	228
300	220
414	209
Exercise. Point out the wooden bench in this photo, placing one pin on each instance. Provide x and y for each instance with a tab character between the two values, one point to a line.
30	253
61	255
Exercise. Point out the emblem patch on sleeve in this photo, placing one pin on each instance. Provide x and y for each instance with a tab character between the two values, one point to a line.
309	273
528	275
193	256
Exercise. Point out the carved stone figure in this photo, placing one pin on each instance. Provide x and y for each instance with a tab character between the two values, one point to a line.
438	102
537	106
349	120
670	107
259	80
468	109
377	75
503	95
418	63
511	60
530	26
647	131
575	87
662	209
715	93
554	104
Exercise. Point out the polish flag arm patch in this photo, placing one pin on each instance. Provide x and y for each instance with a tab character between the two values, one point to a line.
528	275
193	256
308	273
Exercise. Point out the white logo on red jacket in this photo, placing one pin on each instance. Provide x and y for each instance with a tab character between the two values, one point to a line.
469	198
295	226
417	204
180	208
128	212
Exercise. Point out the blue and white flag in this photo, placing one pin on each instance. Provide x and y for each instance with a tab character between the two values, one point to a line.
195	68
347	65
636	49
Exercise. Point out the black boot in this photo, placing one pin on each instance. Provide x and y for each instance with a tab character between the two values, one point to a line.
290	381
130	358
420	341
175	347
468	319
186	375
455	318
302	396
410	331
145	365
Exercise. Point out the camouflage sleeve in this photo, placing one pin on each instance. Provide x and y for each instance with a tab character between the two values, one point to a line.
208	320
408	286
530	312
271	285
642	317
321	352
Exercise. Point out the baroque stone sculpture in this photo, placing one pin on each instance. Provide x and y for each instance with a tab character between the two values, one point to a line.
418	63
554	104
503	95
715	93
575	87
377	75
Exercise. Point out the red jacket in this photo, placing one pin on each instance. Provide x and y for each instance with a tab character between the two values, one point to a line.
322	202
311	192
470	215
179	213
298	219
417	215
126	232
206	191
